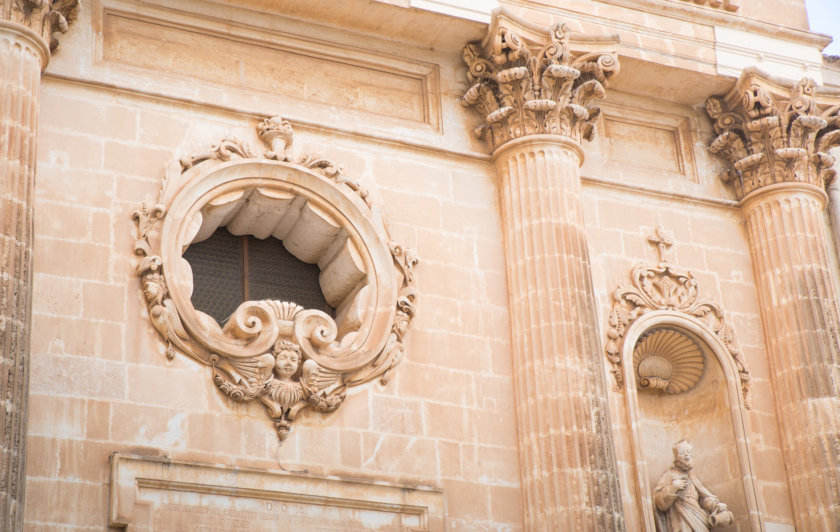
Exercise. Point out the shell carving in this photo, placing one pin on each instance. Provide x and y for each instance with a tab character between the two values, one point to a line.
668	361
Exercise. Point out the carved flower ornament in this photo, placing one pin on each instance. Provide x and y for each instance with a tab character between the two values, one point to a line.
278	353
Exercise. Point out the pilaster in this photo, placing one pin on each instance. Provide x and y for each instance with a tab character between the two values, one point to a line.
26	28
535	90
777	141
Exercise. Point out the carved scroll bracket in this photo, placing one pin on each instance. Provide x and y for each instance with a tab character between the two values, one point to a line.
278	353
664	286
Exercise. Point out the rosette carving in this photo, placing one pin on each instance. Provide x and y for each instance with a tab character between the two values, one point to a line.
664	286
544	87
278	353
770	134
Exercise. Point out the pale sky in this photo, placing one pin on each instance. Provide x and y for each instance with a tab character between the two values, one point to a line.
824	17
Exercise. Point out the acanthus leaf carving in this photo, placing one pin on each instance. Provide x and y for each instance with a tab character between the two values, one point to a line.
277	353
664	286
47	18
772	135
525	88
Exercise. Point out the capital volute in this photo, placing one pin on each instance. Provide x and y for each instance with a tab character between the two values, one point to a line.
526	80
44	18
771	132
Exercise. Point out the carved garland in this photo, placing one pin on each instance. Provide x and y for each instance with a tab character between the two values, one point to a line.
666	287
285	357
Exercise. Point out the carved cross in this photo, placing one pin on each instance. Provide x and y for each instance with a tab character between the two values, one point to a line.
662	241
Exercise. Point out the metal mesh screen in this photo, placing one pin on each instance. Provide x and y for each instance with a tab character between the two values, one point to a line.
217	274
273	273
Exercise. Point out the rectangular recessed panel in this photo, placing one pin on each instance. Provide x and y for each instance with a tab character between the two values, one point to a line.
643	145
280	66
154	494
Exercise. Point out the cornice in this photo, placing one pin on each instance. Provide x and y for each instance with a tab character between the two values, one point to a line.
695	14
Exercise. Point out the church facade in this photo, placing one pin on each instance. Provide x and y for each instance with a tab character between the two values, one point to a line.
418	265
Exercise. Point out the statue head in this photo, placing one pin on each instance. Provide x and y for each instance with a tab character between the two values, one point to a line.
286	358
682	455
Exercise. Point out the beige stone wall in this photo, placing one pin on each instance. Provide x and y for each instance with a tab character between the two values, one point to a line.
110	124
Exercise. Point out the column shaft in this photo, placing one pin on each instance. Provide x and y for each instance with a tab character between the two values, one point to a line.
801	316
21	58
569	472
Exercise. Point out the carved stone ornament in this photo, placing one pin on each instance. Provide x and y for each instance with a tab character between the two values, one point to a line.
527	81
773	134
278	353
46	18
664	286
728	5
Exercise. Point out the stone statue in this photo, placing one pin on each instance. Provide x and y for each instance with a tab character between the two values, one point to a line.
682	503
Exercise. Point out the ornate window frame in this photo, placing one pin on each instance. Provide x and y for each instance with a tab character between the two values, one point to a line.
322	217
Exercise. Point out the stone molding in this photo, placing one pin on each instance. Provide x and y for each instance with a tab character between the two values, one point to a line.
150	493
665	286
772	134
529	81
727	5
323	217
45	18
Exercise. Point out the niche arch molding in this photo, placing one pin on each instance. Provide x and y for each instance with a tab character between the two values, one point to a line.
322	217
714	346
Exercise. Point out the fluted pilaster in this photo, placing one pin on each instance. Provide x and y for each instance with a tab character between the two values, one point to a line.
25	29
535	90
778	146
568	465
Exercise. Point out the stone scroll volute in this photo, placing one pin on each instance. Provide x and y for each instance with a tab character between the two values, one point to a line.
278	353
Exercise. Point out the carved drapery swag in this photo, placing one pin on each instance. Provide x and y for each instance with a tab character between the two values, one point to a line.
275	352
771	134
46	18
545	86
664	286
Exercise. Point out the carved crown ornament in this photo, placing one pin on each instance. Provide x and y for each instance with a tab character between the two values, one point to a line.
664	359
772	134
44	17
527	80
278	353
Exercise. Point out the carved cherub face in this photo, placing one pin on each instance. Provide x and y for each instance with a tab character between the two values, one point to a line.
286	362
682	455
152	288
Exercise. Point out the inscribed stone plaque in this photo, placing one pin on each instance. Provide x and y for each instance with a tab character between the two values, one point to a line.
166	496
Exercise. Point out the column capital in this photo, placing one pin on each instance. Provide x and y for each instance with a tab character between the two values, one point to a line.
44	18
527	80
773	133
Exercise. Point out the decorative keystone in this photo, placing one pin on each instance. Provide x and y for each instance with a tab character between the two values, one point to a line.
772	134
530	81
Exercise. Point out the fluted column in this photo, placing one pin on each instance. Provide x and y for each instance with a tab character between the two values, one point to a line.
778	145
25	29
535	95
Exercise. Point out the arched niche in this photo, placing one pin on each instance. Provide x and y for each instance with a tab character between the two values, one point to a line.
711	416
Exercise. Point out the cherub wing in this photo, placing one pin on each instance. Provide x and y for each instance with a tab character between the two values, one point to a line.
317	377
251	371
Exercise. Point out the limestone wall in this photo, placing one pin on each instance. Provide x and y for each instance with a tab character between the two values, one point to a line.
116	110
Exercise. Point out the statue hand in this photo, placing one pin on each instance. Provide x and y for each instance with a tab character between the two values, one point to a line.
680	483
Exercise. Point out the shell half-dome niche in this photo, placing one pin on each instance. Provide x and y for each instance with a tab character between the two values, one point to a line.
668	361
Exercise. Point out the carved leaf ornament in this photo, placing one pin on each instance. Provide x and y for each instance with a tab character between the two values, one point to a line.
278	353
772	137
524	88
666	287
